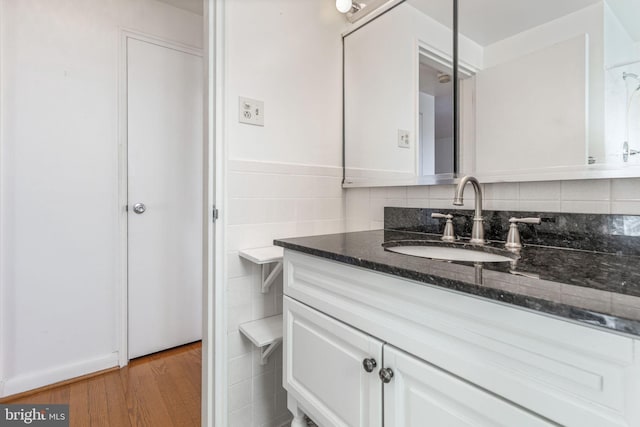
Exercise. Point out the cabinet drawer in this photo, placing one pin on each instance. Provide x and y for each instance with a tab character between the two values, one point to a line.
324	372
569	373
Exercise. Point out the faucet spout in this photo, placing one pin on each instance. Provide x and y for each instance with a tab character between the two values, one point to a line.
477	233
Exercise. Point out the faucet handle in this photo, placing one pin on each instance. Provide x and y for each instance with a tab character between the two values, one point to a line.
448	235
513	238
439	215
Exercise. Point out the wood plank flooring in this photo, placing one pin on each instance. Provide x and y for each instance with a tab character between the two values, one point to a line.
160	390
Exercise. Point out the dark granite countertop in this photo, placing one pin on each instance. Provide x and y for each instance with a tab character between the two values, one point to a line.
596	288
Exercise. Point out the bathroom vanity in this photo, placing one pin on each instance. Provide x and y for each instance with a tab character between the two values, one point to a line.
374	338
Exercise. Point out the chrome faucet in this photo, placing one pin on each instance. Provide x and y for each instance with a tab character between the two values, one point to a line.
477	232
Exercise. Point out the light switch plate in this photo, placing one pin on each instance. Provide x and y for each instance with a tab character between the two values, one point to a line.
403	139
250	111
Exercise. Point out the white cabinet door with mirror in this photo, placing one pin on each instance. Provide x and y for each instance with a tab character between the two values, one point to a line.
398	99
547	90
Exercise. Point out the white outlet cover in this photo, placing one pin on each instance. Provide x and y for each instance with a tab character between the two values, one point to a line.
404	140
250	111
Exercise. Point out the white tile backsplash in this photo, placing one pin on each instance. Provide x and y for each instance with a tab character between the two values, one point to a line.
238	315
264	385
625	189
591	189
502	191
538	205
606	196
264	410
239	291
440	191
238	267
626	207
240	369
242	417
444	204
396	193
585	206
417	203
238	345
265	202
544	190
239	395
263	305
377	208
501	205
258	368
418	192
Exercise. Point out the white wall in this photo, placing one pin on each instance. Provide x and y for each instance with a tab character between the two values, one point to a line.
59	181
277	53
283	179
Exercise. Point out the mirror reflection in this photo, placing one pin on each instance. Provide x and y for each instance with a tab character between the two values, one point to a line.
435	118
548	90
399	94
555	86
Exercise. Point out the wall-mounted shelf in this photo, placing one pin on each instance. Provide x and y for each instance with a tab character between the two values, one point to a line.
265	334
270	258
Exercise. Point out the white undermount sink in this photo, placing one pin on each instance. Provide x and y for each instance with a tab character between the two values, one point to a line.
448	253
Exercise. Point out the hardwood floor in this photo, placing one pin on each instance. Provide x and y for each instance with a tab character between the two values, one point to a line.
159	390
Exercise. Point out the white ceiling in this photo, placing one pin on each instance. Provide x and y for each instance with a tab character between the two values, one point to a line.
488	21
195	6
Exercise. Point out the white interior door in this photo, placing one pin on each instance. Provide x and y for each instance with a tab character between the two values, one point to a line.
164	114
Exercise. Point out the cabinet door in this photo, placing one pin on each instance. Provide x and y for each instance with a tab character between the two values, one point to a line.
324	372
421	395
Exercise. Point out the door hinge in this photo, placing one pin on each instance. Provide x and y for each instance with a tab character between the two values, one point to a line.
215	214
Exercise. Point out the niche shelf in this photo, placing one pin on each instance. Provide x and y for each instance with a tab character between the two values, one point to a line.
266	334
270	258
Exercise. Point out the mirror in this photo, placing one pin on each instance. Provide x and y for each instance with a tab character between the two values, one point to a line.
398	94
548	90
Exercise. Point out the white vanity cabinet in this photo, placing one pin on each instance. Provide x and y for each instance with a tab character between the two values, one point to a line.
457	360
335	372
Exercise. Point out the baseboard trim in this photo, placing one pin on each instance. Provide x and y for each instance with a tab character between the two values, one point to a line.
25	385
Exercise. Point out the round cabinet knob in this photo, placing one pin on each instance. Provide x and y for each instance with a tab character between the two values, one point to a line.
385	375
369	364
139	208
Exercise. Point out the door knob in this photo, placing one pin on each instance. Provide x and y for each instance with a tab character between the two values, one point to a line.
139	208
369	364
385	375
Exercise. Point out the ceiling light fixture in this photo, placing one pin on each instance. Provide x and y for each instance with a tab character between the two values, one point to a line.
347	6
